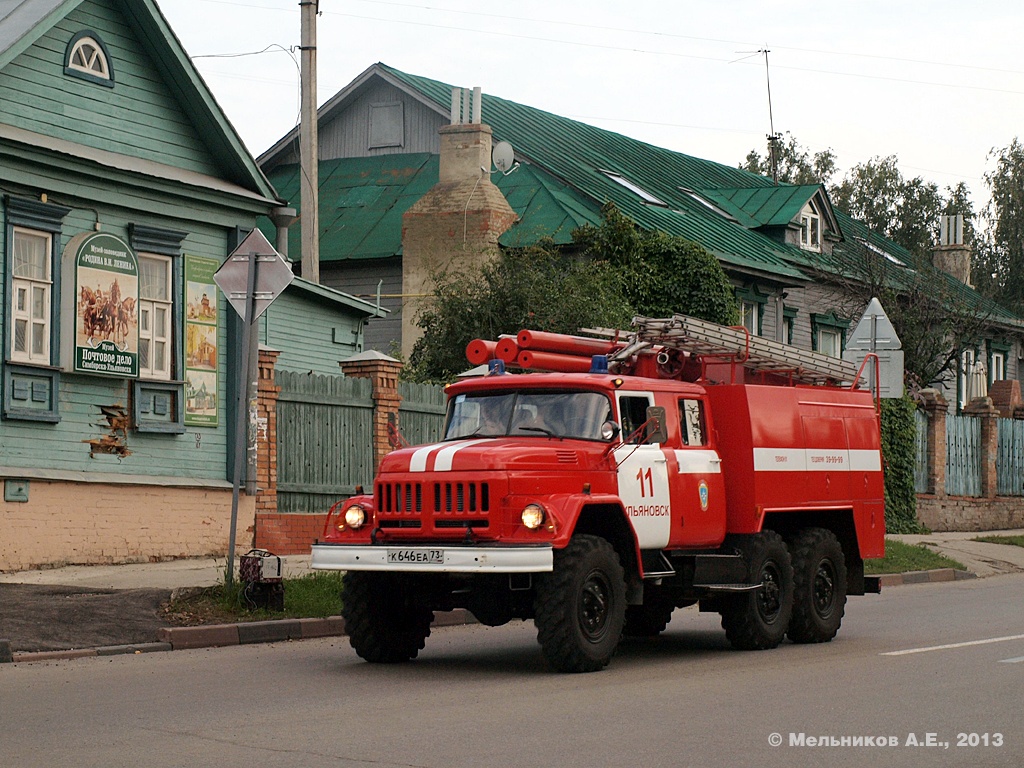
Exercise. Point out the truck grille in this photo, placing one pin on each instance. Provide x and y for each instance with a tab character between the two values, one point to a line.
450	504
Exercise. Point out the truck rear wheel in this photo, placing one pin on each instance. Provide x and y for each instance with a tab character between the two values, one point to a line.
758	620
384	621
819	586
581	606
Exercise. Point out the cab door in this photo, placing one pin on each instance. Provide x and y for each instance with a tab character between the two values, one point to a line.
696	481
643	480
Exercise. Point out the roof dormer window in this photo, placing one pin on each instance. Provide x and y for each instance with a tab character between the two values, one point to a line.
810	228
87	58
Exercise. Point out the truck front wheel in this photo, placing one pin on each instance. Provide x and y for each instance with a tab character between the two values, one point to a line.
384	621
758	620
819	577
581	606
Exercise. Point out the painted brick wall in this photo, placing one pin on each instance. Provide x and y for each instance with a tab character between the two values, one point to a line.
288	534
66	523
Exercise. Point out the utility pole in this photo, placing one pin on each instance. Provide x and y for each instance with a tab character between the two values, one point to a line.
309	155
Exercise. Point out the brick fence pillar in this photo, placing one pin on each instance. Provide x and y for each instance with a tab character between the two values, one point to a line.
935	407
266	444
383	372
982	408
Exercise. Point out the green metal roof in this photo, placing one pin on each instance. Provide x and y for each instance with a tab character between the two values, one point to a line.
580	156
362	200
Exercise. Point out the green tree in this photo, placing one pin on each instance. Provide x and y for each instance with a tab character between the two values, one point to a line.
904	210
661	274
610	273
999	256
796	163
537	288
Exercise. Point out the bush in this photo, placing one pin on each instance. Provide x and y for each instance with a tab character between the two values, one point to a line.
898	435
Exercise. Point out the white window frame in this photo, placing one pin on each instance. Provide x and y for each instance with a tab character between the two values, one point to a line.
750	316
997	367
149	335
810	229
834	336
28	286
95	60
967	360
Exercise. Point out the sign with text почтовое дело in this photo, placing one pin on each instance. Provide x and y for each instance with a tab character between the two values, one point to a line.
106	320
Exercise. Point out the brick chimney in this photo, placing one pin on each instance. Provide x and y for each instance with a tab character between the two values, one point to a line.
458	222
951	254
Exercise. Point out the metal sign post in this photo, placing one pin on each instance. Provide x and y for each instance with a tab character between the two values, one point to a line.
266	275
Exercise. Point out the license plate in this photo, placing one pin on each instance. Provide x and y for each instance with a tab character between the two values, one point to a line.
429	556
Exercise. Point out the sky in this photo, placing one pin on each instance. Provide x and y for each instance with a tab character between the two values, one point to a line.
938	84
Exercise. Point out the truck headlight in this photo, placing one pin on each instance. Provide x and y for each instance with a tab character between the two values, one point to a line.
533	516
355	516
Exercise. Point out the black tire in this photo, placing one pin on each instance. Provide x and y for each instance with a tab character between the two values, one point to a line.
384	621
651	618
819	586
756	621
580	607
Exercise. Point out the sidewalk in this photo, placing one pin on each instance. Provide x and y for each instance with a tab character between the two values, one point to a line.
170	574
980	558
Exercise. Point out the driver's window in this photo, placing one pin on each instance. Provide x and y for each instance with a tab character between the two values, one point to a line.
633	414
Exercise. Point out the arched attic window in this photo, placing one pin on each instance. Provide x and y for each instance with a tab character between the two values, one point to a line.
87	58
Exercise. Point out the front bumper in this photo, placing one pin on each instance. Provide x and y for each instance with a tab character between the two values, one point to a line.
433	559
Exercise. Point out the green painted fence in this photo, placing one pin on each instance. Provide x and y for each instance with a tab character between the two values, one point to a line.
324	440
1010	458
421	414
963	455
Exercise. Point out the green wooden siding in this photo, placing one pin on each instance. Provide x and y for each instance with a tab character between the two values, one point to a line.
138	117
324	440
199	454
311	335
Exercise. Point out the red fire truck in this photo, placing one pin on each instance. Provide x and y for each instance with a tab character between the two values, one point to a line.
680	463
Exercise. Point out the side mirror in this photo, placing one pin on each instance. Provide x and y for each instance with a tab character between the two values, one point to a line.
657	431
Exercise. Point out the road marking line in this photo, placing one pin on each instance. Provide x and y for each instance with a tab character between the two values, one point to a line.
1012	661
953	645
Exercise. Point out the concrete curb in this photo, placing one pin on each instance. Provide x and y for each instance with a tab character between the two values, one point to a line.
924	577
245	633
219	635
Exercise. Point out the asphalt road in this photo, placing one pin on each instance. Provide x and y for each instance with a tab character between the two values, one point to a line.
482	696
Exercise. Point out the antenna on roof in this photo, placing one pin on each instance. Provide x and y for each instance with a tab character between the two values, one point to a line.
773	137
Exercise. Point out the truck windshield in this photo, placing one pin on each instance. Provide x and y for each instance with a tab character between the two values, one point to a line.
527	414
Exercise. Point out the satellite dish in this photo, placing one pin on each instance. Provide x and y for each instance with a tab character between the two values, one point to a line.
503	156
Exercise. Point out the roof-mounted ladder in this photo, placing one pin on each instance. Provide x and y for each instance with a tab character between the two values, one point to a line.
713	343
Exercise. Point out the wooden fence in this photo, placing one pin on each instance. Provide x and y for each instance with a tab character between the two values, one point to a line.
324	440
1010	458
964	456
421	414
